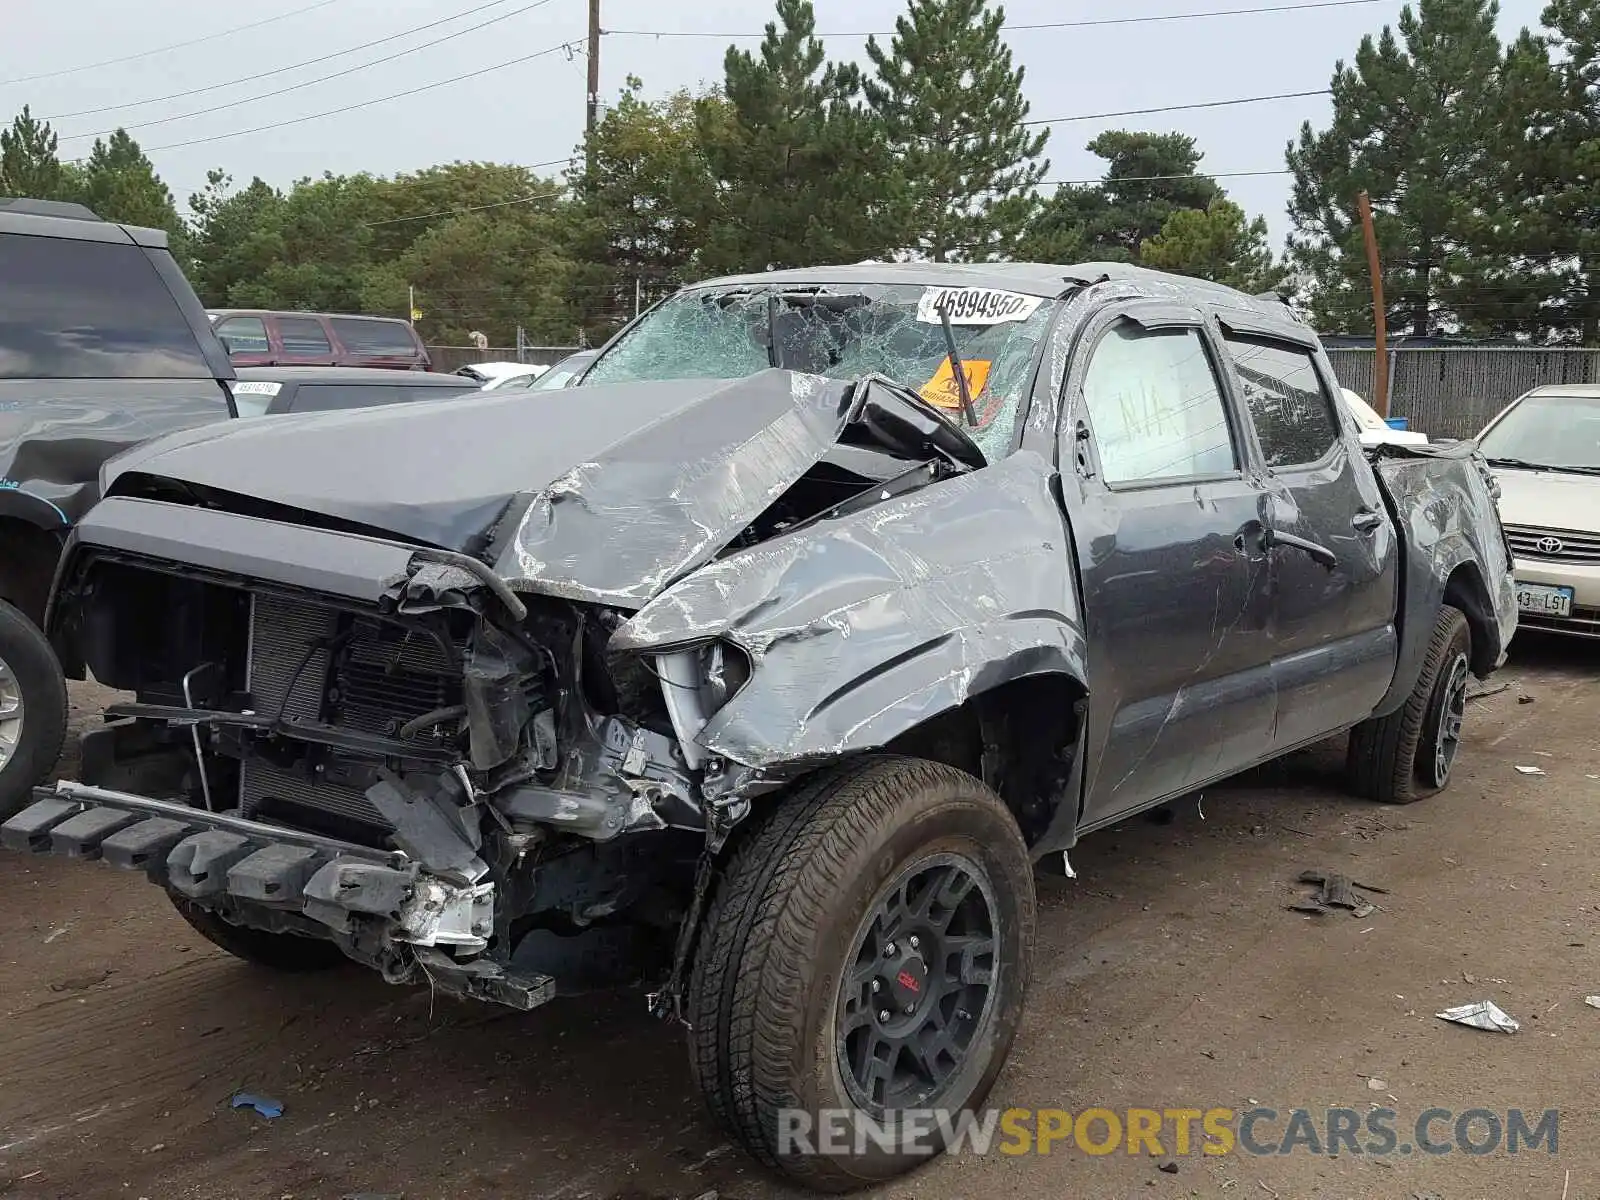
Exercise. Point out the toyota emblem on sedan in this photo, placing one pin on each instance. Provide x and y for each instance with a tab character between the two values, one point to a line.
1550	545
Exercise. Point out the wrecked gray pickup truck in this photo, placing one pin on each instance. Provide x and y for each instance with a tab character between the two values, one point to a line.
766	664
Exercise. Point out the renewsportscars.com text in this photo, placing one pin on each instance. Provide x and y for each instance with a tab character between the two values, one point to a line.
1260	1131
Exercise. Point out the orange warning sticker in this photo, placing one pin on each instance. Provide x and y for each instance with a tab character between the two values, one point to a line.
942	390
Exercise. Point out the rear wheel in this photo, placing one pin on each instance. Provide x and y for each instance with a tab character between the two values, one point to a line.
33	709
1409	755
866	954
285	952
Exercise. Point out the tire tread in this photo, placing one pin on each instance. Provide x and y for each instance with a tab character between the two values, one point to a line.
1381	763
746	1002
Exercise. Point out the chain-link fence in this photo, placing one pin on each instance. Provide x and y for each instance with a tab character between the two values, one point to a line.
1453	391
452	358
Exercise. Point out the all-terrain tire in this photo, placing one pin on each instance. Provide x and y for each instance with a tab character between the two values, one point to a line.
1400	758
286	952
31	684
788	919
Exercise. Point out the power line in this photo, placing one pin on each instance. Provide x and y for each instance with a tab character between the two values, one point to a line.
453	212
334	112
259	75
210	37
1165	108
1111	182
1085	24
295	87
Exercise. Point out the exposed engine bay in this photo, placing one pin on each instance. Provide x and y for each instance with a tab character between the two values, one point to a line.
442	775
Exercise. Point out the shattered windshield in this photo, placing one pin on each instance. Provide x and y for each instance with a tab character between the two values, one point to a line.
845	331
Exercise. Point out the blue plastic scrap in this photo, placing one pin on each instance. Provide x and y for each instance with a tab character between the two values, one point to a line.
266	1106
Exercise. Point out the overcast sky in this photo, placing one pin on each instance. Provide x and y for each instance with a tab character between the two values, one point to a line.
532	111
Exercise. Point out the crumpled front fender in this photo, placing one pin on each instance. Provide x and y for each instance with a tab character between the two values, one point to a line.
861	628
1440	497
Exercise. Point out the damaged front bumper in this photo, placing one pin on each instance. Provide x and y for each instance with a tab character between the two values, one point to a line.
380	906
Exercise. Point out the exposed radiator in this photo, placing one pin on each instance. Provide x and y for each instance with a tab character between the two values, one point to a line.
351	672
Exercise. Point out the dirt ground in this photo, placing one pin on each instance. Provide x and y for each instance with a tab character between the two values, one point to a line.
1169	974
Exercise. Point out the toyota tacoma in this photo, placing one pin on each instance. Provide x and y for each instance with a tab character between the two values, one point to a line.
764	667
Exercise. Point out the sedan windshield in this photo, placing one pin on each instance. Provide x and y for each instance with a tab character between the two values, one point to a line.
847	331
1547	432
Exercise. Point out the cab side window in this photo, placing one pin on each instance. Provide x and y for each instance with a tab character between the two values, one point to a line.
1293	414
1157	410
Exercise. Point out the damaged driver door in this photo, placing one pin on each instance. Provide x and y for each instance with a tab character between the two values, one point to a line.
1166	525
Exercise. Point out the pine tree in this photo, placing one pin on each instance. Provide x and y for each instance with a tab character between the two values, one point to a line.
647	192
1219	244
119	182
29	165
1149	177
801	174
1552	219
1413	125
954	115
1518	229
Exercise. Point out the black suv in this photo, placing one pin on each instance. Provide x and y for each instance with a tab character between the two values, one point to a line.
103	344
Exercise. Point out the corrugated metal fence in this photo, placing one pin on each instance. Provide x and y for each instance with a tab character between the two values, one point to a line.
453	358
1452	392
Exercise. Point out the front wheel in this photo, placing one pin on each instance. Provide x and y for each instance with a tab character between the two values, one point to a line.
862	971
33	709
1408	755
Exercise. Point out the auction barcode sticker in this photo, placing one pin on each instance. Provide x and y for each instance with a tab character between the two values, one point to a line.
975	306
256	387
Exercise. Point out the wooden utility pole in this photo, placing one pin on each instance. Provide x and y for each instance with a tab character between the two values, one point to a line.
594	67
1380	321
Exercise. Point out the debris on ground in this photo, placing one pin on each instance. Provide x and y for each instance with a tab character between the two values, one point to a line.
1168	1168
1485	1014
265	1105
1377	1085
1530	770
1489	691
1336	891
1592	1001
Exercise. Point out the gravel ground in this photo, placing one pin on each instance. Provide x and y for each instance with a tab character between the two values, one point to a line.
1169	974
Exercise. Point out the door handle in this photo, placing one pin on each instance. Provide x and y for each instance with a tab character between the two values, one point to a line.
1320	555
1367	521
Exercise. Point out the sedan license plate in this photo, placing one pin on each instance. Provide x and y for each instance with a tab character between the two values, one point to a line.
1544	601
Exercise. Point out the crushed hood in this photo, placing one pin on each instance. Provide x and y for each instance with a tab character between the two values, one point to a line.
603	493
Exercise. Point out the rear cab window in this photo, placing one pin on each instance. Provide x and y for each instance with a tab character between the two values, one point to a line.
388	339
1156	407
90	310
1293	414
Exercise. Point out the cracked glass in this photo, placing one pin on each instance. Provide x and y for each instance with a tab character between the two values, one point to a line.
846	332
